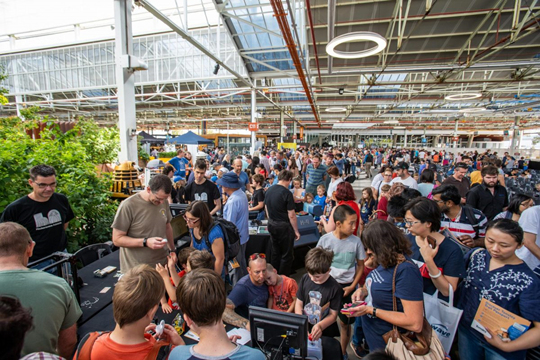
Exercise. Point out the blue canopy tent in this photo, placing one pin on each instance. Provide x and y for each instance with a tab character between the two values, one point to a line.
189	138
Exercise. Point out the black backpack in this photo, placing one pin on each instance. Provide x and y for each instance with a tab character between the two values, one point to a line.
369	158
231	238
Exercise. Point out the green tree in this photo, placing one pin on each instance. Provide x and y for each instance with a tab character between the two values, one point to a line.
74	155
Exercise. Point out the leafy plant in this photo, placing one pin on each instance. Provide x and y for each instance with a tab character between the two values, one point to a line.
143	155
167	154
74	155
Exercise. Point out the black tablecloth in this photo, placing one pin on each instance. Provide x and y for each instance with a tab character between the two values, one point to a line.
94	295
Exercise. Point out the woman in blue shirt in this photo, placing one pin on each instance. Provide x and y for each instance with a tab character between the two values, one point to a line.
389	248
498	275
201	227
440	265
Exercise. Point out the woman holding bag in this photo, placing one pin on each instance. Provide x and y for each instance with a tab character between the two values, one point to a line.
390	249
499	276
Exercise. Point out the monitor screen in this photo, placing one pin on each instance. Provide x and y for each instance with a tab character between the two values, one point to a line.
275	332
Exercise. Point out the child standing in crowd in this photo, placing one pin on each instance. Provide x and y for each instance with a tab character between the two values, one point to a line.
382	204
367	206
298	195
348	263
281	290
319	295
320	198
257	199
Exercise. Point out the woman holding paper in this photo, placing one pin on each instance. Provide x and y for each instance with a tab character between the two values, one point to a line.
499	276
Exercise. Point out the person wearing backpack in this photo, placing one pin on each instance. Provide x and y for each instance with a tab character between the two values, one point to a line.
134	307
368	162
236	211
204	234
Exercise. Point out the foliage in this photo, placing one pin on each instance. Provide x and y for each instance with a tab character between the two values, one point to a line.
167	154
74	157
536	140
143	155
3	76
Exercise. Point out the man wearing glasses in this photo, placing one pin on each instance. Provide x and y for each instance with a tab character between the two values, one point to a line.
142	226
43	212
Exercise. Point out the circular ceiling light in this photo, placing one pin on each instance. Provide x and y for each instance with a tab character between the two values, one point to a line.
472	110
463	96
356	36
335	109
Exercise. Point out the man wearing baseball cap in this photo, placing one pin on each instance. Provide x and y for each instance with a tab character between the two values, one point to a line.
403	176
236	210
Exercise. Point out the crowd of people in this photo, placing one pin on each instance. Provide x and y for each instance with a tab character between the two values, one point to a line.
431	223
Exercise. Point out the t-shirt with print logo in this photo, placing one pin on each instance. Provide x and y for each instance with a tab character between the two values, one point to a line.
43	220
283	293
207	192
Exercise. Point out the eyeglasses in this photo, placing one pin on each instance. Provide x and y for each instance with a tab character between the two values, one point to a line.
190	220
439	201
257	256
44	186
411	223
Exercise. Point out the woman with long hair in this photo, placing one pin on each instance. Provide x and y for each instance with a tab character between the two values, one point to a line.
367	205
499	276
518	204
204	235
344	195
389	248
293	167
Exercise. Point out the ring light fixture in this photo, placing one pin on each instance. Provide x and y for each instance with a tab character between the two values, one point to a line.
356	36
335	109
463	96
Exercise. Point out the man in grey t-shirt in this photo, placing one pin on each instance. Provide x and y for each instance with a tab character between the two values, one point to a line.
142	226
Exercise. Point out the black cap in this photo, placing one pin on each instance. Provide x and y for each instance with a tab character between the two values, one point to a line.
402	165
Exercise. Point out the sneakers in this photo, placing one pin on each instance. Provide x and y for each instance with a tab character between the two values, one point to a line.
358	350
345	356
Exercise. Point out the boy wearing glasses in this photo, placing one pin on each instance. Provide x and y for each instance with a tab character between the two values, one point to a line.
43	212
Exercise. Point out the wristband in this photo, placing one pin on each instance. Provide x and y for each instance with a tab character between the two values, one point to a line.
144	242
374	312
435	276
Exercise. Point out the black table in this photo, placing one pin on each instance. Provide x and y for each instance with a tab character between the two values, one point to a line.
94	295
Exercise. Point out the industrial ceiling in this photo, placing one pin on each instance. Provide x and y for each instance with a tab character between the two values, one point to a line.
434	50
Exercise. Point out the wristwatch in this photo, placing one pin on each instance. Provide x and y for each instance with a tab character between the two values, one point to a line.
374	312
144	242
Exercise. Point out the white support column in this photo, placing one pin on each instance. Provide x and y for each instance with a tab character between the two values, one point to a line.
514	136
186	17
294	131
405	138
125	81
253	118
281	126
455	133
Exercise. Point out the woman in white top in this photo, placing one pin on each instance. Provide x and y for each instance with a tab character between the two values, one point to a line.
336	179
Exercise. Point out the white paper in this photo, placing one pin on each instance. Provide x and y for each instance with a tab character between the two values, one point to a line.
243	333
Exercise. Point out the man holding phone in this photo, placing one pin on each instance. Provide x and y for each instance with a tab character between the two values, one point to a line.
458	218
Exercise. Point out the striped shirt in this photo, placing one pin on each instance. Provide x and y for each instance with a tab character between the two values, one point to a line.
463	226
315	175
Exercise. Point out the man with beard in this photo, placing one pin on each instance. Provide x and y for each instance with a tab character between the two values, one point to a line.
488	197
457	218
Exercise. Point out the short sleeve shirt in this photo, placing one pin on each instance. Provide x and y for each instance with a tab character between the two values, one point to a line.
315	174
245	294
200	244
207	192
346	253
239	353
449	261
283	294
409	286
512	287
139	219
530	222
278	201
315	297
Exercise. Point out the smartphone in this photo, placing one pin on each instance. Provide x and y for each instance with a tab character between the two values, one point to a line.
432	242
347	307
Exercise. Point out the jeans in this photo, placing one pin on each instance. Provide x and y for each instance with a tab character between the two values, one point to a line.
471	348
282	237
353	169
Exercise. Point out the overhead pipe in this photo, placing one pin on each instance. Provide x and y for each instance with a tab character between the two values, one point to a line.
281	17
310	19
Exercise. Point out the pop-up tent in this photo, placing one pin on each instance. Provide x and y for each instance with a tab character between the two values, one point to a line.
147	138
189	138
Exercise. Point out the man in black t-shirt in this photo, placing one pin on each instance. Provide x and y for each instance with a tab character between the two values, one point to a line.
282	223
202	189
44	213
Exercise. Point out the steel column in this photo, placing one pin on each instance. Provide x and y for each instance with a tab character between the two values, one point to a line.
253	118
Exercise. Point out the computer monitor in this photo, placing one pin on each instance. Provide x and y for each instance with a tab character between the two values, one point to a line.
177	209
275	332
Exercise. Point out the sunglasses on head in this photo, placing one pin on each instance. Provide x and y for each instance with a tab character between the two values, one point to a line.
257	256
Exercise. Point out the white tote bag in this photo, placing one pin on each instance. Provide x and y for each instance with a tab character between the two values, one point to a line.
443	317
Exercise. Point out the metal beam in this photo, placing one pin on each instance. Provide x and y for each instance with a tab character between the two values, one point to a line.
154	11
